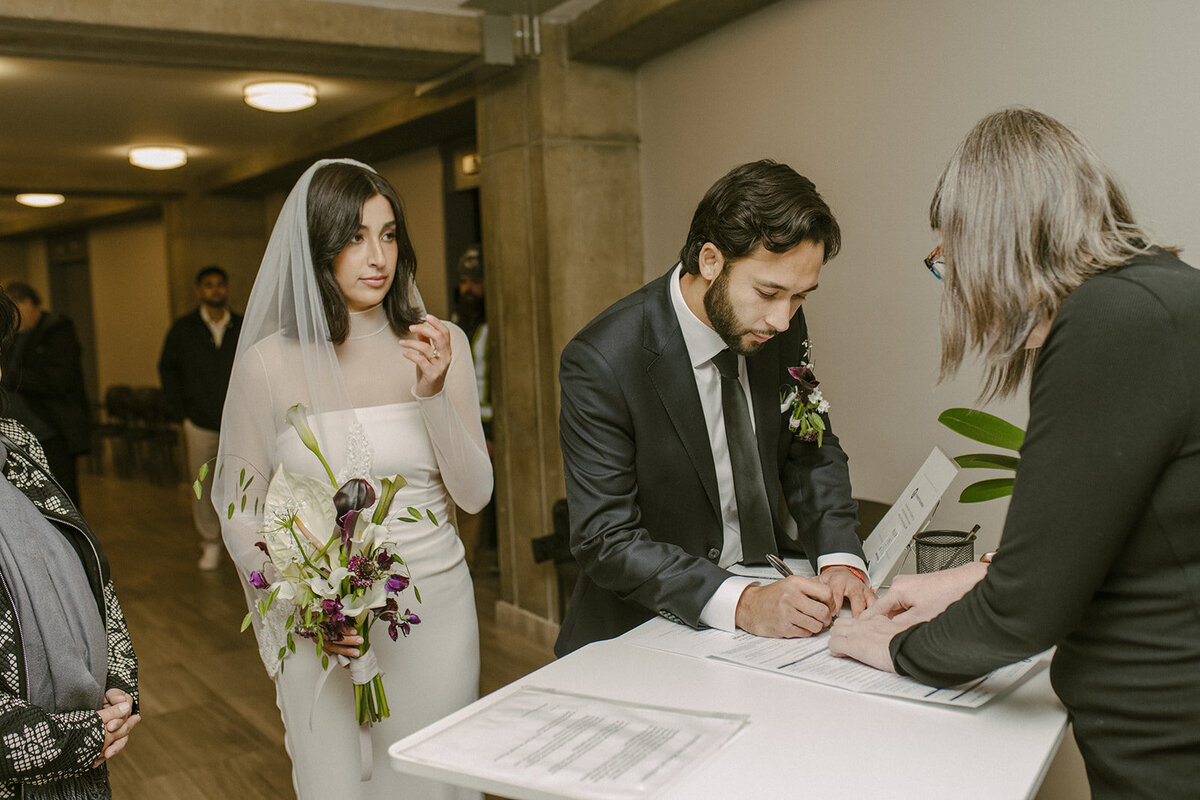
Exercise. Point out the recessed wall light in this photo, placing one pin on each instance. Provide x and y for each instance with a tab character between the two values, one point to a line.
158	157
280	95
37	200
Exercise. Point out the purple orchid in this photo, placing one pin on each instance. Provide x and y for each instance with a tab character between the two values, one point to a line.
805	378
263	546
258	580
355	495
397	583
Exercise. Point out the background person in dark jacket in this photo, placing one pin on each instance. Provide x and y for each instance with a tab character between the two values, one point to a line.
194	368
44	379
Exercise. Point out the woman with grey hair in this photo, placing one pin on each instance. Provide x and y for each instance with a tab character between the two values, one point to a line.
68	674
1047	273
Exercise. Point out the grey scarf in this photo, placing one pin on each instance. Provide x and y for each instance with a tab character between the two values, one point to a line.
66	650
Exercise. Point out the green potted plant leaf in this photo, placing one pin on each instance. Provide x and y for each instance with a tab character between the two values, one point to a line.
988	429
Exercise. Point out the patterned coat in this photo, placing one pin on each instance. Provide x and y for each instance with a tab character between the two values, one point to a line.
54	751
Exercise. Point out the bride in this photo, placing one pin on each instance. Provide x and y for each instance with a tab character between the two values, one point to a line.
335	322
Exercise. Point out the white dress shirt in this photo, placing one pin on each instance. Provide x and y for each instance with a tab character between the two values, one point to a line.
219	327
702	344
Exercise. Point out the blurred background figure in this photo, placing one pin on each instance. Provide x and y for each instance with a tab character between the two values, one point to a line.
470	314
194	368
44	379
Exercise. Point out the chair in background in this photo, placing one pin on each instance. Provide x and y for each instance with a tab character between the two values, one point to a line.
155	436
111	433
556	547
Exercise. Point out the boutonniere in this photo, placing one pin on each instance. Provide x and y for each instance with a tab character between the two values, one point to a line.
803	402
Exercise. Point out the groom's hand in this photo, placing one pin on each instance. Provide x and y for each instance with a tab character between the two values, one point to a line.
786	609
846	585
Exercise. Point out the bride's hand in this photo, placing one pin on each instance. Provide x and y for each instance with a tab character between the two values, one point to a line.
346	646
430	351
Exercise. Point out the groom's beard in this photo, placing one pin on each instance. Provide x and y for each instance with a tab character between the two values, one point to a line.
724	319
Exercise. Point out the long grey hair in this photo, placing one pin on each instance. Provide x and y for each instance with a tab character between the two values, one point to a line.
1026	212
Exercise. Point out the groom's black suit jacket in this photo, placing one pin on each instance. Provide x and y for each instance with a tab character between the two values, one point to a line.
641	485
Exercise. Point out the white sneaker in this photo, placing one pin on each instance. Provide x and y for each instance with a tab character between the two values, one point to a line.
210	557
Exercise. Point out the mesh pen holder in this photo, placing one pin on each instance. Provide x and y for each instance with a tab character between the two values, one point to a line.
938	550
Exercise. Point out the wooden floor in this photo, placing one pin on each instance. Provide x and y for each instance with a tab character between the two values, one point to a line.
210	729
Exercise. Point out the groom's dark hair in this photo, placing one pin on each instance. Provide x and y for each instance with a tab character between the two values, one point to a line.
761	203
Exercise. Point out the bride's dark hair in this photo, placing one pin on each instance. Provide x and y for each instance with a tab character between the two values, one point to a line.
335	201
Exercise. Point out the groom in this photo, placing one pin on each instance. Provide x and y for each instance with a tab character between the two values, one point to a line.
675	451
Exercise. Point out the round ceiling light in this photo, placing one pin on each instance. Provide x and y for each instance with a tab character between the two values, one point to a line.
280	95
158	157
39	200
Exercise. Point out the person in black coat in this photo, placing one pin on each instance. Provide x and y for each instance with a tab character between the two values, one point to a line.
1047	272
44	378
194	368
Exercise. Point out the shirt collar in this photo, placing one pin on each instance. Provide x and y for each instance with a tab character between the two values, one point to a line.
221	323
702	341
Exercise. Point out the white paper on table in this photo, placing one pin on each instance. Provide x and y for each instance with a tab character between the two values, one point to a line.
575	745
811	660
907	516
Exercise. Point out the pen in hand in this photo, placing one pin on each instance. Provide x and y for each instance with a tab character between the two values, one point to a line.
780	567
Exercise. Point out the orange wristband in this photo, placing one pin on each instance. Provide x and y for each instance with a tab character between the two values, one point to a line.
858	573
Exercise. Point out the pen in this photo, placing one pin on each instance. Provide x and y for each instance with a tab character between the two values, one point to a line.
780	567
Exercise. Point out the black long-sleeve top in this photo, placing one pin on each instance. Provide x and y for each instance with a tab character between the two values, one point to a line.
1101	547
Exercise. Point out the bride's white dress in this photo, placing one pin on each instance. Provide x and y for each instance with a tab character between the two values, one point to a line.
436	443
427	675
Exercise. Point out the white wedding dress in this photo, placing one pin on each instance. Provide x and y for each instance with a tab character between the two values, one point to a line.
437	445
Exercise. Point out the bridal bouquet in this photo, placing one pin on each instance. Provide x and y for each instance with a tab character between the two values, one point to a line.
330	562
803	403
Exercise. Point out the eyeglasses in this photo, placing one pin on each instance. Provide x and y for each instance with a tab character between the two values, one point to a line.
935	262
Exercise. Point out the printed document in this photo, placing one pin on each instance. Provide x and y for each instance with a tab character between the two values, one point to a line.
577	746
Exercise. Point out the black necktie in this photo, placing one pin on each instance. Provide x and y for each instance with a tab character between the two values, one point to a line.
754	513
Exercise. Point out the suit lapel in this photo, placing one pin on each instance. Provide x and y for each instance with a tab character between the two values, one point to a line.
670	371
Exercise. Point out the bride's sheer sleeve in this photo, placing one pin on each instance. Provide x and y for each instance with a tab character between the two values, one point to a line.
452	419
247	441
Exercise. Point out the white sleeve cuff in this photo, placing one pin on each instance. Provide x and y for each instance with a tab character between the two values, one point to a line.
721	609
841	560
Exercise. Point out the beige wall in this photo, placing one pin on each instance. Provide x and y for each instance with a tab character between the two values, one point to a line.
417	177
868	98
130	301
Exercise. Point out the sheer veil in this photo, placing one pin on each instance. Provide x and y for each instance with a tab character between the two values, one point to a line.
284	356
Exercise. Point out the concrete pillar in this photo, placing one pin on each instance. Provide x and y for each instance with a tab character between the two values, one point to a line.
562	228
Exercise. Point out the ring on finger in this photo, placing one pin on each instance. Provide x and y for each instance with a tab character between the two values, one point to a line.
436	353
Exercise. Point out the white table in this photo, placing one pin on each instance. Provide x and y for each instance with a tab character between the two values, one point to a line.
804	739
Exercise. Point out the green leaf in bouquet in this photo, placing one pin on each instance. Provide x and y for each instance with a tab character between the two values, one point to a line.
198	489
412	512
243	503
242	477
987	461
987	490
324	661
983	427
271	599
416	592
289	622
282	652
256	506
432	518
247	486
203	472
229	512
246	620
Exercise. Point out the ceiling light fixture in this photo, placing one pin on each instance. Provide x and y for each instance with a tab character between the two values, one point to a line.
280	96
158	157
36	200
